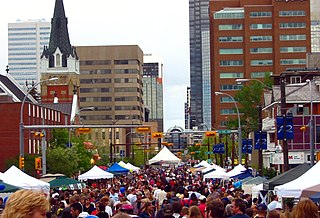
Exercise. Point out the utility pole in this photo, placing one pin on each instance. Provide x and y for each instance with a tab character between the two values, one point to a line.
260	161
284	113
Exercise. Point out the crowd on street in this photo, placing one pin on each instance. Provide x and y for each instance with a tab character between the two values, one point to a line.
154	193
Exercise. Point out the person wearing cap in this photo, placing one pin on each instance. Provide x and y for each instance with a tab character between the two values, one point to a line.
202	205
138	204
261	211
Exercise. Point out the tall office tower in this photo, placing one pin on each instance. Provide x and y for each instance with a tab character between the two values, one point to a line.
252	38
111	82
199	63
26	40
187	110
315	25
60	60
153	88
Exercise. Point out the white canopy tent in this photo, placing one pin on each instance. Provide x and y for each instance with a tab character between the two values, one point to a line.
213	166
217	174
130	167
203	164
95	173
14	176
295	187
165	156
236	171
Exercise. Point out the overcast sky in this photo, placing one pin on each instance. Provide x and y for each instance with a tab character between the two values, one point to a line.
160	27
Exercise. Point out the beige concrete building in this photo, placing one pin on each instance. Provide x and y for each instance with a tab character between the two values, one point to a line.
111	82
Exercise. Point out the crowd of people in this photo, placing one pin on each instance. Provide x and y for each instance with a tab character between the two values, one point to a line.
153	193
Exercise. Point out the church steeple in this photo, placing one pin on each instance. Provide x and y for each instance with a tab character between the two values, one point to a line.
59	39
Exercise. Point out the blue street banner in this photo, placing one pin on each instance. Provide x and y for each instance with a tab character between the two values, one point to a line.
260	140
215	149
221	151
288	129
247	146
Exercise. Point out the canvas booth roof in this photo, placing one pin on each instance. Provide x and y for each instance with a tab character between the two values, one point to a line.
165	156
239	169
295	187
14	176
95	173
286	176
117	169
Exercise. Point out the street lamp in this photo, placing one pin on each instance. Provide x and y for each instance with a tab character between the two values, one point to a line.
72	121
21	125
239	125
260	156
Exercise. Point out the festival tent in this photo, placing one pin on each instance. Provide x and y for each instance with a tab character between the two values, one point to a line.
121	163
65	182
295	187
313	190
250	183
256	189
95	173
286	176
217	174
14	176
203	164
165	156
236	171
117	169
130	167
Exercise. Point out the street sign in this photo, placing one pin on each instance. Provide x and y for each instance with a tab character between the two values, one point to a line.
224	131
122	153
157	135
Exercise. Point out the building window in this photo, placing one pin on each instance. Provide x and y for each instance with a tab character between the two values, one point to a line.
292	25
226	99
231	63
260	50
292	37
230	75
231	51
231	39
229	15
58	64
260	38
291	13
295	79
261	62
260	14
260	26
292	49
292	61
227	111
260	74
230	27
230	87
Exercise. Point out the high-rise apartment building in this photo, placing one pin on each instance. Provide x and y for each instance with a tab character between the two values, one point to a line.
315	25
200	105
26	40
111	82
252	38
153	88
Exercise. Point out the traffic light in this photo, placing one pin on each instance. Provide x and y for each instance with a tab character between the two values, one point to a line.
38	134
143	129
157	135
303	128
211	133
21	162
37	163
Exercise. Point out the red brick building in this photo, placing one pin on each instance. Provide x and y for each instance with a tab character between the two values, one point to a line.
11	97
251	38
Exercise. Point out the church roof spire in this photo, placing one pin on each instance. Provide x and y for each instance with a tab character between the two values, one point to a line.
59	37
